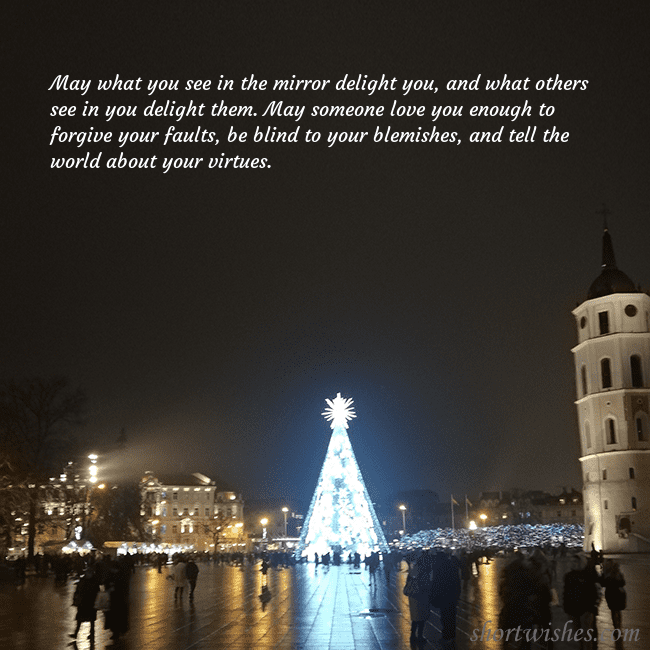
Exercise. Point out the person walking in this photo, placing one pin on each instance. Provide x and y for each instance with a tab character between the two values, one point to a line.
192	572
417	588
179	574
581	597
445	592
524	590
118	581
84	600
615	596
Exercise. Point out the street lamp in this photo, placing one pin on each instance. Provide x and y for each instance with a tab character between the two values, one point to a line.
92	470
483	517
264	522
285	510
93	467
403	509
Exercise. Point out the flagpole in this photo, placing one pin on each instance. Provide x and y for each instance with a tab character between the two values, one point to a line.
453	527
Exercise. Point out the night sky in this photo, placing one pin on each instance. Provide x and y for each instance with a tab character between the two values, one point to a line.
210	312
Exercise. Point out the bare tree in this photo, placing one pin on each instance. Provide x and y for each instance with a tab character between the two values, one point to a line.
216	528
36	416
115	514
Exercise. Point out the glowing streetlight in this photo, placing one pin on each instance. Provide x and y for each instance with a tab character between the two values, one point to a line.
264	522
93	467
403	509
285	510
483	517
472	525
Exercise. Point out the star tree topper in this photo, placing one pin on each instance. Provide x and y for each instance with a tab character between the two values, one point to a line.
339	411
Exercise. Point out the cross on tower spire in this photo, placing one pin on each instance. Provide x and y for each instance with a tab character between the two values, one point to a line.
605	211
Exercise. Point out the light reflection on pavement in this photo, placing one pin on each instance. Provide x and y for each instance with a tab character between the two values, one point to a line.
309	609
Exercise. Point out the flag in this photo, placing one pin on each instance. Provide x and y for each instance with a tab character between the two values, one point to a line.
454	501
468	502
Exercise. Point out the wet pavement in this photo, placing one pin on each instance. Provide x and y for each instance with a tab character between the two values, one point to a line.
310	609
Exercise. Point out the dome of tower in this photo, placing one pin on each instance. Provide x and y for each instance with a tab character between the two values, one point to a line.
611	279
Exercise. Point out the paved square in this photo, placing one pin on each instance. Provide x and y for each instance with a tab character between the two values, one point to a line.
311	608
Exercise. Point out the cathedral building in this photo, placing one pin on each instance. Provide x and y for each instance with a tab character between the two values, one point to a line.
612	362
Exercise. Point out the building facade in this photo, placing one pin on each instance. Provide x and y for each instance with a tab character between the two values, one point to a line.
190	513
528	507
612	363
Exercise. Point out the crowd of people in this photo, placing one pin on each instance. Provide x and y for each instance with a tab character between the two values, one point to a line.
508	538
434	580
104	585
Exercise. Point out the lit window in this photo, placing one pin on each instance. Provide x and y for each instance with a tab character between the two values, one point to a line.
606	373
636	371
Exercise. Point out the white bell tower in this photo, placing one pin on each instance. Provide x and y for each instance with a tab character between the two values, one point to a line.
612	361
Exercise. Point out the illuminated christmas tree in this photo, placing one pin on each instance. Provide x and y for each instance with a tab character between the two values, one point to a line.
341	517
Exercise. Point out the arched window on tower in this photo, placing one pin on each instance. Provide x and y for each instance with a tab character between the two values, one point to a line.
587	435
633	503
610	429
606	373
583	378
603	322
636	371
641	423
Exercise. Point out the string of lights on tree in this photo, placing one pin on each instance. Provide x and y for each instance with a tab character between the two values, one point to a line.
341	517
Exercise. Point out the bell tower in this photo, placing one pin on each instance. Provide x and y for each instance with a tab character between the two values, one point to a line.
612	361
